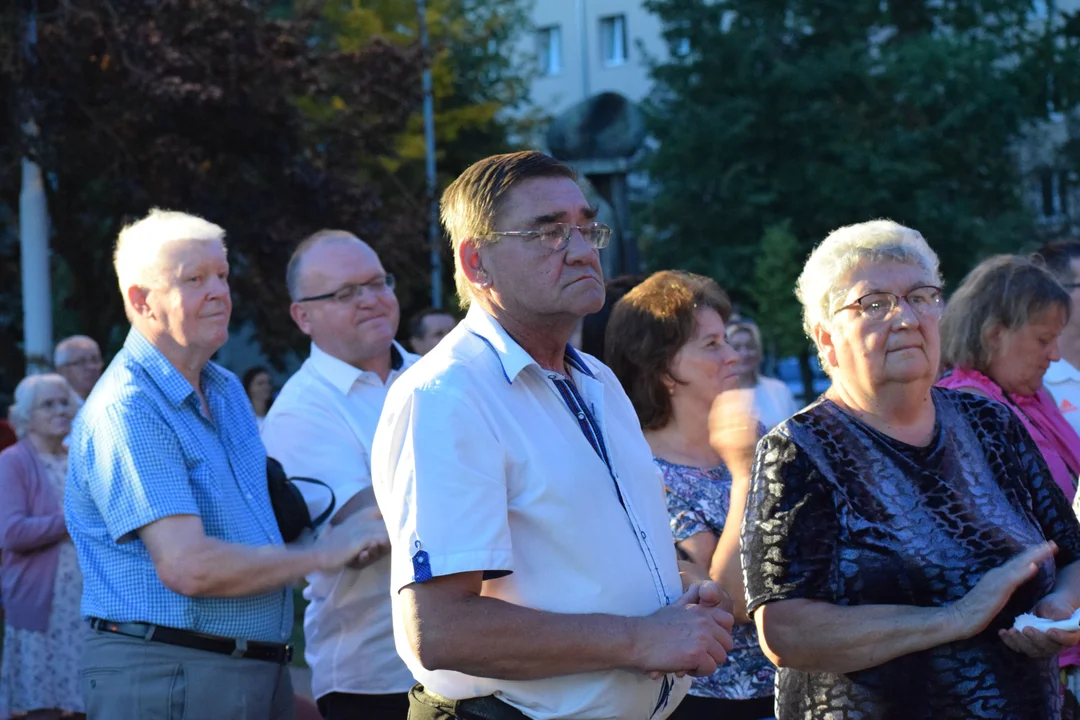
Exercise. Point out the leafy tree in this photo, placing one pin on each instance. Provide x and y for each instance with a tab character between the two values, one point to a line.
480	87
191	104
822	113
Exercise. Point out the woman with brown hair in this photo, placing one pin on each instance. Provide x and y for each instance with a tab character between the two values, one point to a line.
666	343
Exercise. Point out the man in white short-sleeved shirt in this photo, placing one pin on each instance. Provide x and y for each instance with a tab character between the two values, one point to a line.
1062	378
321	426
533	568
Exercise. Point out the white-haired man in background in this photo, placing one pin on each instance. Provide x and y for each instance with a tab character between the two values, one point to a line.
78	359
185	573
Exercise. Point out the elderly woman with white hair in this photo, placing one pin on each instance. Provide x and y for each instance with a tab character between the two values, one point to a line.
894	530
40	577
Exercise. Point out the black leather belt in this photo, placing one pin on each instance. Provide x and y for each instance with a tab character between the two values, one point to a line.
271	652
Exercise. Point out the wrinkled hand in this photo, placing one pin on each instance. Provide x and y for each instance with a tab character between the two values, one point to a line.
1035	643
733	429
357	541
973	612
691	636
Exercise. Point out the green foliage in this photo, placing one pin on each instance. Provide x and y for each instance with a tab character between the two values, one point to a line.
480	82
823	113
772	290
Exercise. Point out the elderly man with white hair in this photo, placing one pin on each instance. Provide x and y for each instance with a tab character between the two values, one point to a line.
78	359
894	530
533	571
185	574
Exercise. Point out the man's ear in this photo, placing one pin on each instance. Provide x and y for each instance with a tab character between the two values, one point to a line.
137	298
300	316
472	264
824	340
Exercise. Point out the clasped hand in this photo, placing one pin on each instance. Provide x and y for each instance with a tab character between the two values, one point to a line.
692	636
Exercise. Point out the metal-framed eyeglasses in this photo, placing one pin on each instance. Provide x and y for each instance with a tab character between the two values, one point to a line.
348	293
557	236
925	300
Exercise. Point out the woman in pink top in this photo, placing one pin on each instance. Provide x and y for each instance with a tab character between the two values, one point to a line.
999	334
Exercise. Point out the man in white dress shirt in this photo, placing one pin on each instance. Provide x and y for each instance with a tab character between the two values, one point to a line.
533	569
1062	378
321	427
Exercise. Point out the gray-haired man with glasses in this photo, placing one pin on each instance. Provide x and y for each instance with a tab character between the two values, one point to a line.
533	570
321	426
78	359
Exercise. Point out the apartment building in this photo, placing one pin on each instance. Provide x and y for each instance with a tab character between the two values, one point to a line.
585	47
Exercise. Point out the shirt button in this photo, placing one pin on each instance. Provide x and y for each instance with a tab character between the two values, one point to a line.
248	496
581	416
642	534
553	377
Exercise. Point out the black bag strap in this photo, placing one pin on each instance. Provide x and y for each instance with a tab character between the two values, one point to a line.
316	521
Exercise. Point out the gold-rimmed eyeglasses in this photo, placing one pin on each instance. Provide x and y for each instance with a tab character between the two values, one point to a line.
926	300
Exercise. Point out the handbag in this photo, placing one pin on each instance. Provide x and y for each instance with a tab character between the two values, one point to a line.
290	508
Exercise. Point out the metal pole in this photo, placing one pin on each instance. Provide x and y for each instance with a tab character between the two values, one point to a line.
34	232
429	141
583	38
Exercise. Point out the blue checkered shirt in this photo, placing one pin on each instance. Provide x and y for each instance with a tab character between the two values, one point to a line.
141	450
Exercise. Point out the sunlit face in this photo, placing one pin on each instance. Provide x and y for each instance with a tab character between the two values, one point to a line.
52	412
742	342
869	354
705	366
191	302
436	327
531	282
260	389
355	330
1019	358
82	368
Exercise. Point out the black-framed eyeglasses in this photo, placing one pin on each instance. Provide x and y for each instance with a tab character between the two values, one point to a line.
557	236
925	300
348	293
86	362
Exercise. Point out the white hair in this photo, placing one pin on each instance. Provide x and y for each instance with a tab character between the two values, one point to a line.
822	282
26	393
139	245
68	345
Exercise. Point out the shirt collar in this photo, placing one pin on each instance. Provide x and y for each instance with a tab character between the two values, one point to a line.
342	375
173	384
512	356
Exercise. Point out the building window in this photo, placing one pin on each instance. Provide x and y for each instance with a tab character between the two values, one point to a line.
549	50
613	40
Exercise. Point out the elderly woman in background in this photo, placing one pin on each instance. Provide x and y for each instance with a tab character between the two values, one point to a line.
998	337
773	401
666	343
42	586
894	529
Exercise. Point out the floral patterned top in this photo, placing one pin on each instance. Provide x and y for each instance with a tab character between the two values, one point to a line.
698	500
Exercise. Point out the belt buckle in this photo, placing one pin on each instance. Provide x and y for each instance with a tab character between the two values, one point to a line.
241	649
288	653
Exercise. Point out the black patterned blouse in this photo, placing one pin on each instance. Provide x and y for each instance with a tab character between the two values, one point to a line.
841	513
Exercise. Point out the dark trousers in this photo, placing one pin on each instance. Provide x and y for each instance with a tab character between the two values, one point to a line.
704	708
423	706
346	706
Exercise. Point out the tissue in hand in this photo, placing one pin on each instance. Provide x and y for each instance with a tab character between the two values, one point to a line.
1027	620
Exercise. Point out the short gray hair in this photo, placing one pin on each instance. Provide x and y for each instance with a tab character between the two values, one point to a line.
820	286
1005	290
26	393
68	345
139	244
294	270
